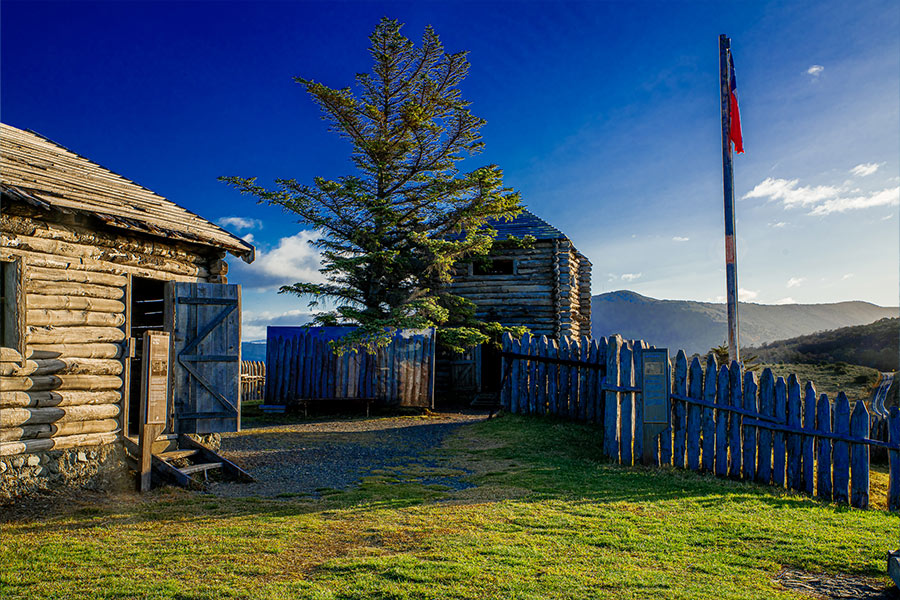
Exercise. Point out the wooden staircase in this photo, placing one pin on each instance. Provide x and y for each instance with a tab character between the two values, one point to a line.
182	461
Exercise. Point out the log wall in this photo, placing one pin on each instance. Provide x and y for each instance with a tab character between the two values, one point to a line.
66	391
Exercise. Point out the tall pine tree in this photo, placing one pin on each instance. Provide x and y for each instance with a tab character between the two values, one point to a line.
390	232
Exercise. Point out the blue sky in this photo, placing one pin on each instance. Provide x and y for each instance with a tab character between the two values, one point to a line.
604	115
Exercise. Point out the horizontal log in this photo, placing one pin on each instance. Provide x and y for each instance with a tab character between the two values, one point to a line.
44	317
14	417
9	355
67	365
46	274
73	335
66	288
55	382
49	430
74	303
18	369
115	255
57	398
90	350
37	258
57	443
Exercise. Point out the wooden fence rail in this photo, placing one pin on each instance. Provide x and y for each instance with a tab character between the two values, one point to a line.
723	419
253	380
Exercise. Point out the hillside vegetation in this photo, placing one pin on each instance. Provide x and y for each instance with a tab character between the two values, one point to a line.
695	327
875	345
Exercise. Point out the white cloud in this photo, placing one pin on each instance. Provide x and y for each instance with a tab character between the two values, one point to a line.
886	197
795	281
253	325
747	295
678	238
787	300
864	169
631	276
887	217
847	276
778	225
821	199
248	238
292	260
240	223
815	70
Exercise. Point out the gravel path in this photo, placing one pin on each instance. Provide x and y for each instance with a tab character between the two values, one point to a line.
312	457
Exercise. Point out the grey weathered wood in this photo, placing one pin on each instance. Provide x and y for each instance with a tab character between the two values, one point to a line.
751	404
695	390
823	471
734	427
626	406
611	400
708	418
809	441
859	457
723	389
778	440
841	450
679	410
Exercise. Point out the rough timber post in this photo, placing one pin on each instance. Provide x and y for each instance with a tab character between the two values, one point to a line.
728	191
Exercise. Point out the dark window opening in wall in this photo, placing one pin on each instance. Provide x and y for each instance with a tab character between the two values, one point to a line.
10	336
147	314
498	266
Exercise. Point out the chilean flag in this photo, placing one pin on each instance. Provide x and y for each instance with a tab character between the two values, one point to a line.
734	131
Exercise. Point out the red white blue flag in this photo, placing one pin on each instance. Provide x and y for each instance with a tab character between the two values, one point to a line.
734	131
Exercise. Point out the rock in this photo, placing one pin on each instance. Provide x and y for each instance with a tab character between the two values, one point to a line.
34	460
38	471
18	462
82	457
2	467
54	467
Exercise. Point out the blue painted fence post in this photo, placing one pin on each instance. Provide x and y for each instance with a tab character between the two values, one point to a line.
553	379
764	435
534	376
723	389
708	421
824	488
590	377
602	348
751	404
574	391
841	449
794	457
584	378
638	356
894	460
523	374
809	442
563	376
506	346
859	457
695	390
778	446
679	417
541	398
611	400
626	406
734	428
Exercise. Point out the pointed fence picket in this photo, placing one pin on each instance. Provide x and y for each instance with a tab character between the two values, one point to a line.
724	420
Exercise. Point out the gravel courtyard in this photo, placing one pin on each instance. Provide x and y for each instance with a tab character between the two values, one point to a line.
314	457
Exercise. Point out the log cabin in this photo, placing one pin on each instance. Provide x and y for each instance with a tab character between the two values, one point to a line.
90	260
544	286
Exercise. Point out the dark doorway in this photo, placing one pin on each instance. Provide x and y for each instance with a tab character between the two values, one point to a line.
147	314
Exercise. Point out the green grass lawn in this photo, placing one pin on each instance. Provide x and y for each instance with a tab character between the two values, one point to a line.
544	519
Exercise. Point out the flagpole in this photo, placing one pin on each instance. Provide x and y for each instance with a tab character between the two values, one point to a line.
734	349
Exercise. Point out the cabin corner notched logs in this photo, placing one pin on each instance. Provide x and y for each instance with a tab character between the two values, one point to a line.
724	420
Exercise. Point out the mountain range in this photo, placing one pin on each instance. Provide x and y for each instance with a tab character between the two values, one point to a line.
695	327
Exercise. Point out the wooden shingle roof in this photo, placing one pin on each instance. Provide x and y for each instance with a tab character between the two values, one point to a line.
40	172
526	223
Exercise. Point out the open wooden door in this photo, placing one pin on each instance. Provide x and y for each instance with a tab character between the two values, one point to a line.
206	356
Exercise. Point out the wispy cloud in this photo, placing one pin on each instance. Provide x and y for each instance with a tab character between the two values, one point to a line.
847	276
778	225
864	169
240	223
887	217
745	295
253	324
292	260
631	276
678	238
795	281
815	70
787	300
821	199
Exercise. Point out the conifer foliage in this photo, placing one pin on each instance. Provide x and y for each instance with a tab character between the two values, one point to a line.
390	232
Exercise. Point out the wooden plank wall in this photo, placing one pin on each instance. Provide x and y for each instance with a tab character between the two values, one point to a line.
725	420
302	365
66	391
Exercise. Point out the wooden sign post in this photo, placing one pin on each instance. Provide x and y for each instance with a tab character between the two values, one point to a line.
656	386
154	398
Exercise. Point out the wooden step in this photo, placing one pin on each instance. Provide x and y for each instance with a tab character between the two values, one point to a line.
200	467
176	454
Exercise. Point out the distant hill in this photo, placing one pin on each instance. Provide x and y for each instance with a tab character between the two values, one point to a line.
698	326
253	350
874	345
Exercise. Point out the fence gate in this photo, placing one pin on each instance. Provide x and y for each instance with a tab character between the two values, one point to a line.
206	367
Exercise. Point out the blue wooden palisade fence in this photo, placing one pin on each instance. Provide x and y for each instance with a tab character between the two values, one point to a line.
724	420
